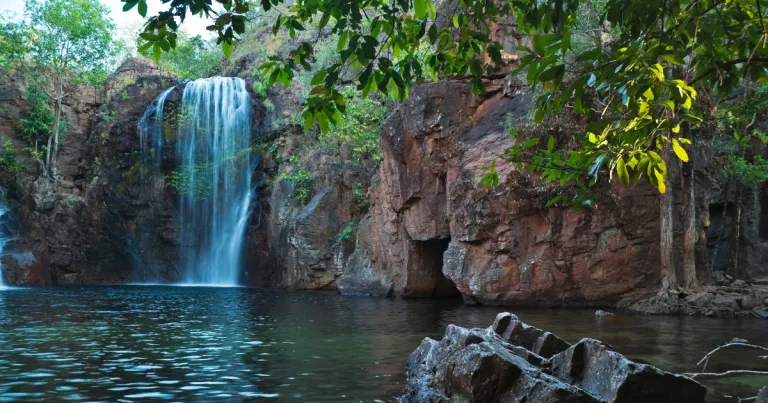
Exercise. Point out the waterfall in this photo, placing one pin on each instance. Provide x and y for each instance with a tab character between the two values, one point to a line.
151	130
4	238
211	129
213	178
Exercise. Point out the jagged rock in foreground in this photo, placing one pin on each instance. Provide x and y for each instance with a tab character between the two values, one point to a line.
513	362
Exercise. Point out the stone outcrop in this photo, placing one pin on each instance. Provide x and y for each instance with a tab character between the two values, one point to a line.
309	241
433	230
432	227
497	364
83	225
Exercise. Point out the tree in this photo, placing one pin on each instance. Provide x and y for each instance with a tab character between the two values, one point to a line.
14	37
639	81
69	35
36	121
192	58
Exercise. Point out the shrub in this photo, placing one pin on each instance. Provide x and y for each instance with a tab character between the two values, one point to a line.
8	162
348	232
301	182
359	126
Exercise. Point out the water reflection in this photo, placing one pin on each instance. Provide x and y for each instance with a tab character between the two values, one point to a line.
222	344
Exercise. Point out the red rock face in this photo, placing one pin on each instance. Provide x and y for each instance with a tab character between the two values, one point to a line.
430	218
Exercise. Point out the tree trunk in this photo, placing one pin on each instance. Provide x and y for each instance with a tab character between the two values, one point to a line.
689	238
666	238
733	263
56	130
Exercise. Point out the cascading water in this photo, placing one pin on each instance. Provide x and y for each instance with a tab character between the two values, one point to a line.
4	238
151	131
213	152
213	174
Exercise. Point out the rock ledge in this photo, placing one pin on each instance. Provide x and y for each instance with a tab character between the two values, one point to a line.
513	362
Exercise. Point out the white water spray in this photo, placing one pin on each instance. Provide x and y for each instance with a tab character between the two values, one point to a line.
212	177
4	238
213	151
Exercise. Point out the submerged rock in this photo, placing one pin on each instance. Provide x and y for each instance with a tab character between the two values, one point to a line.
600	313
500	364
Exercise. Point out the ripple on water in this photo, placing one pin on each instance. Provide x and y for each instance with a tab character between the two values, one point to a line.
135	344
150	395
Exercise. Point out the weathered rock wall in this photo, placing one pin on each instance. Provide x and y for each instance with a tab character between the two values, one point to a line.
309	241
499	246
432	227
83	226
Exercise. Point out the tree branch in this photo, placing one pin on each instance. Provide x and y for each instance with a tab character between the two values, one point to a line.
730	345
731	63
726	373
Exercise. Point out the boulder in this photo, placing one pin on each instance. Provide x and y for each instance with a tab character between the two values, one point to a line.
762	395
486	365
701	299
545	344
596	368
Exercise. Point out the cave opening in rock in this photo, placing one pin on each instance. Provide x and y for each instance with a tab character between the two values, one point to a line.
431	265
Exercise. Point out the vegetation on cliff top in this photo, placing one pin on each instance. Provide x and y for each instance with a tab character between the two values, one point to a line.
71	40
637	78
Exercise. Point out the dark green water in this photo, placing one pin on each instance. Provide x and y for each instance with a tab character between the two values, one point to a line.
234	344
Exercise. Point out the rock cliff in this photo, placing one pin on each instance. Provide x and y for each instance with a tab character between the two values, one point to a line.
432	226
83	225
425	227
433	230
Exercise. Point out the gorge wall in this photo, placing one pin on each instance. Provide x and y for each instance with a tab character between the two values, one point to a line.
84	226
417	224
432	224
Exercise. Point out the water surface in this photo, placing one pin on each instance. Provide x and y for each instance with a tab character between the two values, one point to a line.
133	344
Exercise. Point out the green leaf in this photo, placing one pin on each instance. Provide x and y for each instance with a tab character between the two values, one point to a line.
149	36
431	10
143	48
660	177
164	45
674	59
687	103
432	33
648	94
156	51
642	166
554	200
129	5
679	150
226	47
343	37
319	78
143	8
551	144
419	8
621	169
658	70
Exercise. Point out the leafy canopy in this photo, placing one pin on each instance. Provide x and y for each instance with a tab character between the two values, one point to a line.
14	36
639	81
70	34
